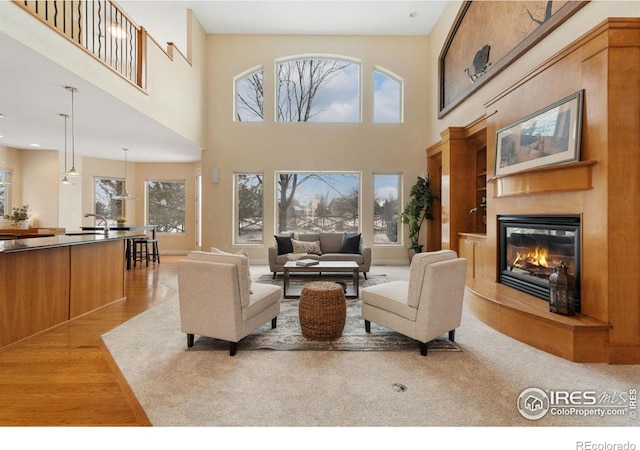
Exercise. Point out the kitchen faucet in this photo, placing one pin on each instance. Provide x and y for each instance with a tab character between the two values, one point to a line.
103	218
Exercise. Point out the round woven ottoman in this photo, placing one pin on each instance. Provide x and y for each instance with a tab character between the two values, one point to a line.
322	310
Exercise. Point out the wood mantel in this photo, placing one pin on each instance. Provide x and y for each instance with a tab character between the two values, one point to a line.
603	188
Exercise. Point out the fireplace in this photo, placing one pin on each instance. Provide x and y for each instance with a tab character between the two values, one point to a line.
530	247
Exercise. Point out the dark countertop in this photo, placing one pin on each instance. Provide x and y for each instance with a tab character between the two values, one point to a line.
71	237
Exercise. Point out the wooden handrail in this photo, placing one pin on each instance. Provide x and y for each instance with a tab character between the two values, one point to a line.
100	28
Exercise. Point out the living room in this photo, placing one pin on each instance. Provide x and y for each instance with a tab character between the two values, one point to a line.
367	148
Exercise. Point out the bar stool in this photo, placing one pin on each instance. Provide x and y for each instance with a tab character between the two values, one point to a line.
140	250
154	254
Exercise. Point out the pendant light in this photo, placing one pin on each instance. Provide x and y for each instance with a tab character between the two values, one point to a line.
64	179
73	172
125	193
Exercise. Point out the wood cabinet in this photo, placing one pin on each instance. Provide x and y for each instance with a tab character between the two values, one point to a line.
42	287
473	247
457	166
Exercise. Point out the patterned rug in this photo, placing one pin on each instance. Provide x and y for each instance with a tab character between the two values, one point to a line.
288	335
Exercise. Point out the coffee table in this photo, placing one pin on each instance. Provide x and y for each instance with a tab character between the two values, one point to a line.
353	291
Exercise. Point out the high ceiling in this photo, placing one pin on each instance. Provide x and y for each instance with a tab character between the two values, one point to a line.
32	94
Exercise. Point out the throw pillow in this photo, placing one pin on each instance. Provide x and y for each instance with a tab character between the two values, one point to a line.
350	244
242	252
284	244
306	247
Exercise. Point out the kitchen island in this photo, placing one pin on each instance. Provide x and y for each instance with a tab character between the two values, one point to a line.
46	281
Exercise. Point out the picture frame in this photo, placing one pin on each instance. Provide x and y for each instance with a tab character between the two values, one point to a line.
549	136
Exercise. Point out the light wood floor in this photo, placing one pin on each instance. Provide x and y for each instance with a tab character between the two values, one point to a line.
66	376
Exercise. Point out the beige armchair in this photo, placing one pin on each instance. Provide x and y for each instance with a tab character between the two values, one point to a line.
426	306
218	300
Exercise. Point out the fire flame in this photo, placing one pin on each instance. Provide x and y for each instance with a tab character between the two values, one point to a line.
536	258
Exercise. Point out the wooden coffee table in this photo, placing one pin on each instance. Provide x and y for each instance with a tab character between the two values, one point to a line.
353	291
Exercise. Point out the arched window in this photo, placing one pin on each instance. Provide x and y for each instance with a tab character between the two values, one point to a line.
249	96
387	97
317	89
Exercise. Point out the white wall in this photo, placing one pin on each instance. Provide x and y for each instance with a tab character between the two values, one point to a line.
269	147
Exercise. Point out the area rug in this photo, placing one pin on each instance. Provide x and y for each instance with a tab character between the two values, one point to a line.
165	318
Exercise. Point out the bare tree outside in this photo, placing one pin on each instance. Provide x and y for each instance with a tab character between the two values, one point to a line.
304	83
318	202
250	97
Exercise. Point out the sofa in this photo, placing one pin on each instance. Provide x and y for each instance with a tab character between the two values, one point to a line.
323	246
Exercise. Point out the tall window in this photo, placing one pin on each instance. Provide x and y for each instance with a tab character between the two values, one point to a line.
166	205
5	179
387	97
105	189
318	90
248	208
385	207
249	93
318	201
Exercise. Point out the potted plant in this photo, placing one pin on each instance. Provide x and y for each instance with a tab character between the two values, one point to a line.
122	221
20	216
419	208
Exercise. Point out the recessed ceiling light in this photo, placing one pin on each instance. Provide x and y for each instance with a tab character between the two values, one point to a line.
1	116
413	14
35	145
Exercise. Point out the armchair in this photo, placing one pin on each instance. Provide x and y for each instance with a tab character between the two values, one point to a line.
426	306
218	300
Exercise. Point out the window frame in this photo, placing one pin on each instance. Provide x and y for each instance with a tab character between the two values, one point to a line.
146	204
111	221
320	172
236	210
324	56
399	235
394	77
241	76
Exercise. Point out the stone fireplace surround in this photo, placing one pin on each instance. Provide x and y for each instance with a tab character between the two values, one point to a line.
602	188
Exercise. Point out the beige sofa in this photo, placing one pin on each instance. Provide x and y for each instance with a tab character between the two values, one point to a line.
332	247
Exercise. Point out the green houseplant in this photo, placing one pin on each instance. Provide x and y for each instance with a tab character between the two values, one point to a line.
20	216
417	209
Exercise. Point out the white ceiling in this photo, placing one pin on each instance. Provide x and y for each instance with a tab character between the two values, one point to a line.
32	93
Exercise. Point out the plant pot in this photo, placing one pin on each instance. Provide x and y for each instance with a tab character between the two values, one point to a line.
412	252
21	224
122	224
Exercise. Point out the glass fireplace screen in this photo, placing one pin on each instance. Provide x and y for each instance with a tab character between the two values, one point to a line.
531	247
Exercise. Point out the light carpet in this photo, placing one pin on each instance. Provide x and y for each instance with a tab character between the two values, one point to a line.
478	386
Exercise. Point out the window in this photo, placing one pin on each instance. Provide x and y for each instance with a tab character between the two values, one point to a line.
308	201
248	208
387	97
165	205
249	94
105	189
5	181
318	90
385	208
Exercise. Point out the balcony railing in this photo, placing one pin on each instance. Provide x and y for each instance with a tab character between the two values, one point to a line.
100	28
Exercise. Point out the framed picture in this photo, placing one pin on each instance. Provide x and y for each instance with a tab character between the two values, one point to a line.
549	136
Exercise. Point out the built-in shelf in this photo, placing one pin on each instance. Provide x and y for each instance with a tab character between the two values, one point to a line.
557	178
